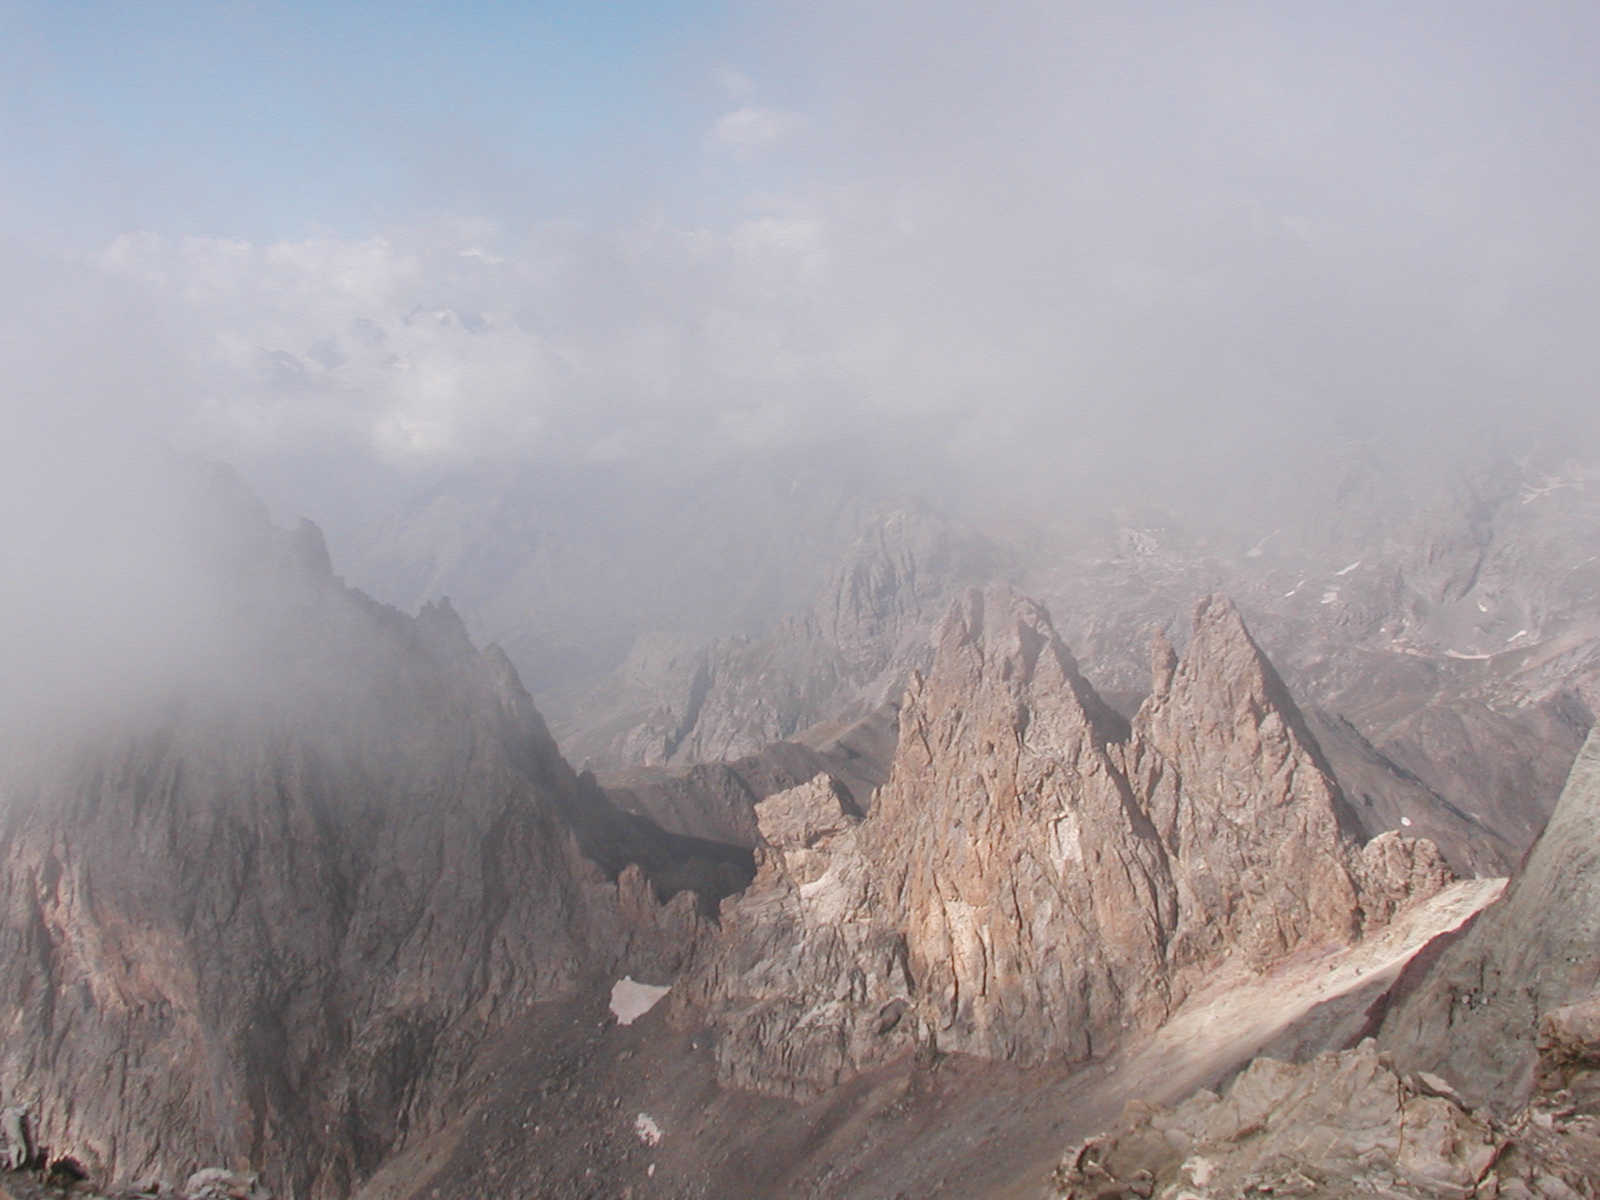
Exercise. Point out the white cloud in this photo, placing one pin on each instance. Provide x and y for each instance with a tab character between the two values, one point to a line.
417	350
1014	250
750	132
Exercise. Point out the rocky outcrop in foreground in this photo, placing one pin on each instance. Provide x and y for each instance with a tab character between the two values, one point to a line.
1474	1017
1039	879
1346	1124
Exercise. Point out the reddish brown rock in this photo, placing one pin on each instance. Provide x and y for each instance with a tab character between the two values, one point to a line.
1031	888
1054	880
1238	793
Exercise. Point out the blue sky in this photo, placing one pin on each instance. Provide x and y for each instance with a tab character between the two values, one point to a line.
266	120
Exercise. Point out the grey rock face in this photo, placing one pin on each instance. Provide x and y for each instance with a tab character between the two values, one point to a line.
1356	1123
1475	1016
810	982
1037	878
15	1141
263	926
1343	1125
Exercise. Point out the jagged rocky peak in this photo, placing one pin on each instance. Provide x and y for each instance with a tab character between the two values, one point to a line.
1043	879
1033	897
1243	801
1484	1081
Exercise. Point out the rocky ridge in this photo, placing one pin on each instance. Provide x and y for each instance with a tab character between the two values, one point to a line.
1435	628
265	925
354	872
1483	1081
1038	878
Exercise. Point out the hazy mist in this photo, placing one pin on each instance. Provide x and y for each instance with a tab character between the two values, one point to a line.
997	255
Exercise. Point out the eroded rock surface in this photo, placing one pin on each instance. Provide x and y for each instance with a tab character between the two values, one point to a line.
809	983
1489	1085
1350	1123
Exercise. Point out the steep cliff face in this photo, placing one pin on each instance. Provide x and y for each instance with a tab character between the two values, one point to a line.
811	981
266	922
1042	880
1239	794
1475	1016
1033	890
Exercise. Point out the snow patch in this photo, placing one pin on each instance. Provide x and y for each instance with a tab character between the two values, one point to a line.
1406	821
1066	842
630	1000
1330	597
1199	1170
1255	551
644	1125
1348	569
